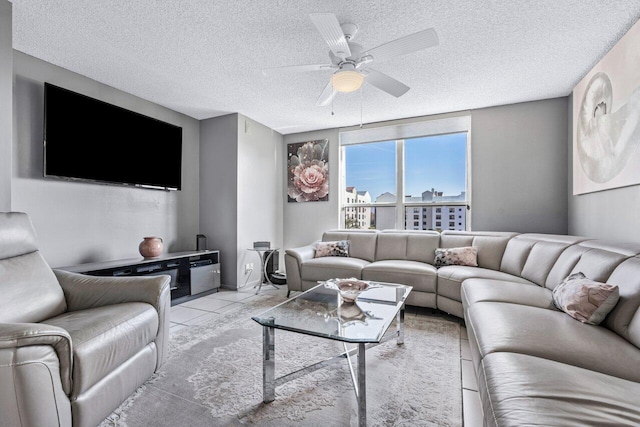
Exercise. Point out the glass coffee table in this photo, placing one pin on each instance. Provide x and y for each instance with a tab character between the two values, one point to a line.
321	312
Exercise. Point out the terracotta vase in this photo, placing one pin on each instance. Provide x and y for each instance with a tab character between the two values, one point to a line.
151	247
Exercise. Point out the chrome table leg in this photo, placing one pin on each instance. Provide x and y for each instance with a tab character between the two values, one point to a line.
268	364
362	386
400	326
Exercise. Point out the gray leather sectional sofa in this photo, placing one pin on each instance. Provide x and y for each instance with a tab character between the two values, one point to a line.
535	364
72	347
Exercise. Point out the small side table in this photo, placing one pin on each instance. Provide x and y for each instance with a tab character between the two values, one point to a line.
264	277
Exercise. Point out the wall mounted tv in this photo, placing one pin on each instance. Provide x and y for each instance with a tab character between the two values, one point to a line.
88	139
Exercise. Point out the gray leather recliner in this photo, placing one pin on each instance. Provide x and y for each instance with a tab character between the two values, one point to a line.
72	347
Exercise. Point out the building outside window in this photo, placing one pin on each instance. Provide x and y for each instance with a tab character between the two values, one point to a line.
352	218
406	182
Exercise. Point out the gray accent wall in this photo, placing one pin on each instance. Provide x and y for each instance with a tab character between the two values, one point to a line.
79	222
6	104
219	190
240	193
518	169
610	214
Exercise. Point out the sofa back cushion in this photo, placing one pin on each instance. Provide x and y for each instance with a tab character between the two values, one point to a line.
410	245
532	256
490	245
362	243
596	259
624	319
29	291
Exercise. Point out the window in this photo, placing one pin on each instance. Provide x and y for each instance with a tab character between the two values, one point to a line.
405	175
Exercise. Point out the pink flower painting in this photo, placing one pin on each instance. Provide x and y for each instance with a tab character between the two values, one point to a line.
308	171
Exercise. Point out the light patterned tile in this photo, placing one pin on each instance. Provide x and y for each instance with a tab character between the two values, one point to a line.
471	409
465	350
229	307
183	314
233	296
207	304
201	320
175	328
468	375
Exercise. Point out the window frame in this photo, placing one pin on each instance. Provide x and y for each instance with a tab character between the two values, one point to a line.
399	133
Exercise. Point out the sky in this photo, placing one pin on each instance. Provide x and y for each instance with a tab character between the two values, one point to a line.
437	162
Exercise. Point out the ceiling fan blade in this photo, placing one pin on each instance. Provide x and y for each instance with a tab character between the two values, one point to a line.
326	96
385	83
329	28
411	43
297	69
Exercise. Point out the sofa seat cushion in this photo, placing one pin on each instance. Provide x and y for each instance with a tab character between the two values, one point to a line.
103	338
518	389
450	278
483	290
551	334
332	267
420	275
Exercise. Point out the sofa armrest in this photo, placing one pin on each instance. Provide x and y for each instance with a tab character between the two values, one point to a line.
82	292
18	335
293	260
302	253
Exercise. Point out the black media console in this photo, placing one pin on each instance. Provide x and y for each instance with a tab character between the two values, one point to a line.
193	274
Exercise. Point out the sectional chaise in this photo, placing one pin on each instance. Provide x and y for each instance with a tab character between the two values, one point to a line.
535	364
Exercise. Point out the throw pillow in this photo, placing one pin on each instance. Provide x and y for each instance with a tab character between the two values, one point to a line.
467	255
584	299
337	248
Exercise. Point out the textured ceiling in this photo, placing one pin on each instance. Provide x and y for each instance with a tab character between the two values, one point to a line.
204	58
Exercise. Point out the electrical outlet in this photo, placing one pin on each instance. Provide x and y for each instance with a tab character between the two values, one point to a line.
248	268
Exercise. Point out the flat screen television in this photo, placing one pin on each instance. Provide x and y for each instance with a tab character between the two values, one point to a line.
91	140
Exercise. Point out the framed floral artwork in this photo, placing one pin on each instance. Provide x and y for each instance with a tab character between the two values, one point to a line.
308	171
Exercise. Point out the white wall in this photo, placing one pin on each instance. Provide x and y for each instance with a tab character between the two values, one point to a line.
306	221
84	222
610	214
260	160
6	104
518	167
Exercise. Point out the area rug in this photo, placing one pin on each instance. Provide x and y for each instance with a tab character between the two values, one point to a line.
213	377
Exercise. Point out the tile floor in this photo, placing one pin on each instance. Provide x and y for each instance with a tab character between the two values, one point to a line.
203	309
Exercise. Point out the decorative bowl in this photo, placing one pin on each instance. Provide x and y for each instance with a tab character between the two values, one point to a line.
350	289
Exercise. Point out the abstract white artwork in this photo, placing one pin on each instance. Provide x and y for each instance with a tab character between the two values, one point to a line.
606	120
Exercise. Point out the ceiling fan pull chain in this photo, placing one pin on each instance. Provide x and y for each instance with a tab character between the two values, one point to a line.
361	92
332	99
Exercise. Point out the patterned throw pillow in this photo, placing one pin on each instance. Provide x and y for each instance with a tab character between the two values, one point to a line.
584	299
467	255
337	248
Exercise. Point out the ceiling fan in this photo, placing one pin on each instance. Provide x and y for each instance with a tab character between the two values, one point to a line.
351	62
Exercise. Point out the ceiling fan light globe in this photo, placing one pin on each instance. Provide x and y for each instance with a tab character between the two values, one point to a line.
347	81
